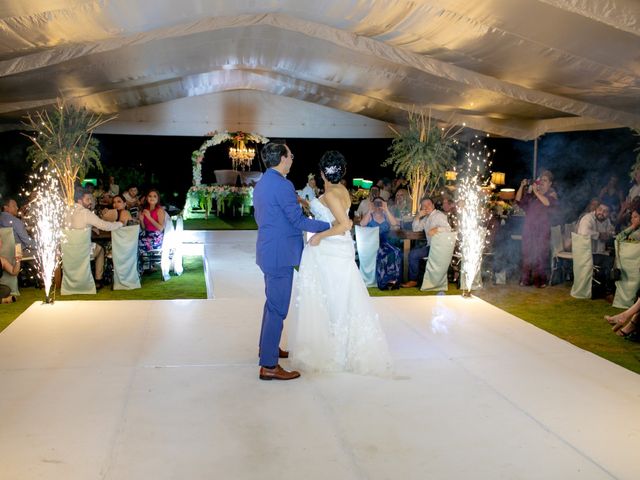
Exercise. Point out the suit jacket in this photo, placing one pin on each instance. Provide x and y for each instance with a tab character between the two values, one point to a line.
280	222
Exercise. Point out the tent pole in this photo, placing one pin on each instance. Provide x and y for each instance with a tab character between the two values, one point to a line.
535	158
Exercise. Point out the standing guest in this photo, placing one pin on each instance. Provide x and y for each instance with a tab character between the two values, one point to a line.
388	257
81	218
634	191
385	188
5	266
278	249
537	203
612	195
310	190
151	221
431	221
9	218
113	189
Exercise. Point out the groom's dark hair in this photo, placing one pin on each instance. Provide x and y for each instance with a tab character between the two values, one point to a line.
272	153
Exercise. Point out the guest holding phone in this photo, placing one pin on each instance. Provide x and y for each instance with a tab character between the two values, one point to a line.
389	258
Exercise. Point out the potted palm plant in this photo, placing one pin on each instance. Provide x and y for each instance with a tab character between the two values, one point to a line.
422	154
63	143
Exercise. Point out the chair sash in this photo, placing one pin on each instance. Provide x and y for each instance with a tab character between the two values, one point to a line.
168	243
176	261
582	266
76	263
628	254
440	255
124	250
8	251
367	243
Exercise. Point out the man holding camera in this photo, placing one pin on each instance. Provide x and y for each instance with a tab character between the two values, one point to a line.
431	221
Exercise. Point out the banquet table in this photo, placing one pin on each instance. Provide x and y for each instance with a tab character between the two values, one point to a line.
407	236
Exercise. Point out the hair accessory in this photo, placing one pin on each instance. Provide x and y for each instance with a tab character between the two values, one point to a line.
331	170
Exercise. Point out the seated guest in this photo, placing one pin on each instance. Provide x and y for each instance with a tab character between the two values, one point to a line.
5	266
119	212
152	221
9	218
624	216
632	232
388	258
431	221
133	202
81	217
598	226
625	323
365	204
401	204
450	210
310	190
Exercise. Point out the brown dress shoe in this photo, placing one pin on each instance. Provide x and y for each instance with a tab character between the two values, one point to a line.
277	373
409	284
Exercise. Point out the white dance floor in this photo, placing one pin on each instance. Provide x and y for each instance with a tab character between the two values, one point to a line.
151	390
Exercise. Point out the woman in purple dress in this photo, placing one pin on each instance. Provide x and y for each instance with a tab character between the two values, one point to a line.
537	204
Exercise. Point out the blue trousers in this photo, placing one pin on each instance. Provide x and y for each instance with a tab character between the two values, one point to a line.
414	261
277	287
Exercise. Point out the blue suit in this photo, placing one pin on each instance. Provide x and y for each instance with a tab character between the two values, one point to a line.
279	248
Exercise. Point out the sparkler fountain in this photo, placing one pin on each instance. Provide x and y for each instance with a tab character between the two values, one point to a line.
473	218
47	217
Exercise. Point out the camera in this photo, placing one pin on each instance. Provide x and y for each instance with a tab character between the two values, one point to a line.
377	203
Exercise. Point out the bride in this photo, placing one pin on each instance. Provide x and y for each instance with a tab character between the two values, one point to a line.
334	326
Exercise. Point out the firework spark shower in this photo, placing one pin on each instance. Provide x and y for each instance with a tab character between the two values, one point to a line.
47	218
473	217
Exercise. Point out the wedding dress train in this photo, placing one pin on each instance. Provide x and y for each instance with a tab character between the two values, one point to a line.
334	327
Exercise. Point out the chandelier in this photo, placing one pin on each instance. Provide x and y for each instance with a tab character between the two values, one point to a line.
241	156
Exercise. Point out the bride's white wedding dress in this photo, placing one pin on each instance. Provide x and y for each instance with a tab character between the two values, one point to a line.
333	326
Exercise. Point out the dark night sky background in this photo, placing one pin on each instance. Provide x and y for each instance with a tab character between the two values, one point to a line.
580	161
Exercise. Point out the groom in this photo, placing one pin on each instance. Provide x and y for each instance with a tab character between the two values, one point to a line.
279	248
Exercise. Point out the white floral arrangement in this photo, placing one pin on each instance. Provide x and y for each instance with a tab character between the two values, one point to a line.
216	139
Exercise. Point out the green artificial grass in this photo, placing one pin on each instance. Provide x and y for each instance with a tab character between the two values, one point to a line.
224	223
191	284
552	309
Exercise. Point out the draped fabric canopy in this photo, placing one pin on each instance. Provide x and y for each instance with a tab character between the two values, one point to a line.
518	68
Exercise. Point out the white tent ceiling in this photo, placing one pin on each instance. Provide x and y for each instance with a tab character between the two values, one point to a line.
517	68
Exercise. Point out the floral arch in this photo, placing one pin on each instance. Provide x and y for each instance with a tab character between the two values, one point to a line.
238	139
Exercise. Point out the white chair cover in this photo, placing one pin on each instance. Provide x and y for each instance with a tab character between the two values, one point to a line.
582	266
76	263
177	252
628	254
8	251
124	251
367	243
168	243
440	255
226	177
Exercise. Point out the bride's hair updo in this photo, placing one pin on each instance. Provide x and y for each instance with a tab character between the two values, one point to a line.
333	165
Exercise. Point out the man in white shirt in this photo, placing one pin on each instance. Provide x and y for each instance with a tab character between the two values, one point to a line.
431	221
309	191
81	217
598	226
